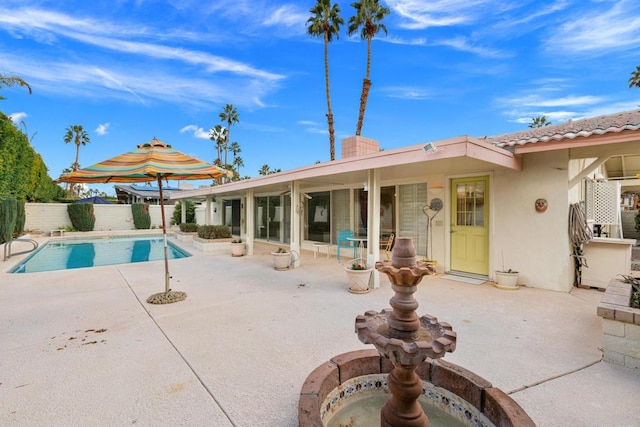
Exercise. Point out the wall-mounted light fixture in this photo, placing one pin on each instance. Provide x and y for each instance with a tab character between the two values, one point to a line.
430	148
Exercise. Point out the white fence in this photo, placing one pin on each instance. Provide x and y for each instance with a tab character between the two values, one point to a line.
52	216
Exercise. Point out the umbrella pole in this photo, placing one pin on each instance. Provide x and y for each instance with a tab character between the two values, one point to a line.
164	235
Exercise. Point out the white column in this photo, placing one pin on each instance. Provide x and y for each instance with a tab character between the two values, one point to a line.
183	211
250	216
295	220
207	210
373	222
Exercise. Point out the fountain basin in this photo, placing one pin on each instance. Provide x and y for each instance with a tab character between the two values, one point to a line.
431	340
467	390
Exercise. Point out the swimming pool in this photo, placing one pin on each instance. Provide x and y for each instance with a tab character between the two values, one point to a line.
64	254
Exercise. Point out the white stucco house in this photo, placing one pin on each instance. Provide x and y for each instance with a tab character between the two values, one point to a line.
505	199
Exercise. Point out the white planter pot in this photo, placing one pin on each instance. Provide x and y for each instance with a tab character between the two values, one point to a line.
281	260
506	280
237	249
358	280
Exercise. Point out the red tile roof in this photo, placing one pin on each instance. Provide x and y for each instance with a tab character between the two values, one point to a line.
618	122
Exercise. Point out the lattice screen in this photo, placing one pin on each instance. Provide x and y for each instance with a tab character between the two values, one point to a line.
603	202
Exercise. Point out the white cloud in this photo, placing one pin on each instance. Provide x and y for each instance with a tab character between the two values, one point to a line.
198	132
287	15
18	117
609	27
407	92
462	44
136	84
106	35
537	100
102	129
420	14
314	127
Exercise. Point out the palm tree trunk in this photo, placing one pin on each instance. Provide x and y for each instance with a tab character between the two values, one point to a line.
75	165
332	138
366	85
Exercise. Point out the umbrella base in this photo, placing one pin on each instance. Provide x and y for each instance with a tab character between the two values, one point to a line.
167	297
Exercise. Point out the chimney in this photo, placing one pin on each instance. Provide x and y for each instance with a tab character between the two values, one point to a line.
355	146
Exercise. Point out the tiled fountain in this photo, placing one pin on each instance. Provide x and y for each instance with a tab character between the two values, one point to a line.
405	371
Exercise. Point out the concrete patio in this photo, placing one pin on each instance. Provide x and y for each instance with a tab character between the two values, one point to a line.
83	348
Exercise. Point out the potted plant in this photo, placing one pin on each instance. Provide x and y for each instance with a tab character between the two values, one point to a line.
281	259
507	279
237	247
358	273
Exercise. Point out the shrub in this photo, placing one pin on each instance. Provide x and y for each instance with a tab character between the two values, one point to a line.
20	219
188	227
82	216
141	217
214	232
176	218
8	216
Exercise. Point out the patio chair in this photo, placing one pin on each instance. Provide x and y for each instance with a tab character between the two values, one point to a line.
386	245
342	242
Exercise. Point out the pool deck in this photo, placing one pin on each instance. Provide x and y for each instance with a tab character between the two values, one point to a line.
83	348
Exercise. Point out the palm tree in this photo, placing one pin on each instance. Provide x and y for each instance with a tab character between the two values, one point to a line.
217	134
10	81
264	170
235	149
368	19
230	115
538	122
325	23
79	137
634	80
238	163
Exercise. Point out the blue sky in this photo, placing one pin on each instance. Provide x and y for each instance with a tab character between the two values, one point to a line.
131	70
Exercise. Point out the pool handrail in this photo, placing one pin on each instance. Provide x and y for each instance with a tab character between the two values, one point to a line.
7	247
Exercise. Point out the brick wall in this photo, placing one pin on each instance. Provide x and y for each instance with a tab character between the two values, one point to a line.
620	326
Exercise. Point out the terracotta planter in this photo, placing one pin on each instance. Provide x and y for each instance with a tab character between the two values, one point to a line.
358	280
281	260
507	280
237	249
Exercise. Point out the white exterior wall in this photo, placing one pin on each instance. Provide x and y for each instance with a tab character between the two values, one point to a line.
535	244
51	216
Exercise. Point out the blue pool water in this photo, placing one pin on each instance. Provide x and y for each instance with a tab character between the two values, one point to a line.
80	253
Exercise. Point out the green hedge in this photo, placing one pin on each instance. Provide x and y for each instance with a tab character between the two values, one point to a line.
82	216
8	218
20	219
214	232
141	217
188	227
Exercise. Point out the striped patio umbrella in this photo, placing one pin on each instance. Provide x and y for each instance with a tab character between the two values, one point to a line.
152	161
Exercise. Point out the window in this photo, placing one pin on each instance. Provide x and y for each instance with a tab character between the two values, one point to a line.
318	217
273	218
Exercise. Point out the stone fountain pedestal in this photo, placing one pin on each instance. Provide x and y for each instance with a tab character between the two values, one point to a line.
403	337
